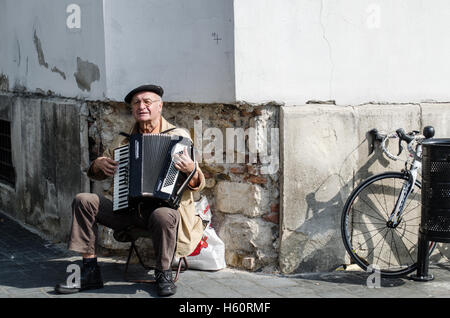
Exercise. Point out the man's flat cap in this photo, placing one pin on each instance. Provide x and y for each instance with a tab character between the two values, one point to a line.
144	88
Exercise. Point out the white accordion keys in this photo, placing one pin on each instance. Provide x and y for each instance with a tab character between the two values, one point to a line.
120	181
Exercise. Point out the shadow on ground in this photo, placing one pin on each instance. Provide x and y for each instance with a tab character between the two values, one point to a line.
47	274
352	278
28	262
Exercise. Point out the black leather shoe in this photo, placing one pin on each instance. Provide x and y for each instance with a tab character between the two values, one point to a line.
164	283
90	278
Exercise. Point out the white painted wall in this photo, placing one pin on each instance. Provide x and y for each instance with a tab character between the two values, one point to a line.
24	23
351	51
171	43
291	51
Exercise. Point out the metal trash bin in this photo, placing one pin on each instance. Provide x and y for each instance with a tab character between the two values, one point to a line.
435	212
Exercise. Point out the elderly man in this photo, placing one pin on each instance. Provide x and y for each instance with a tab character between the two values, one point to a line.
174	232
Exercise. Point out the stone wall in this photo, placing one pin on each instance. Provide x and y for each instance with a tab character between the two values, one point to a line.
243	195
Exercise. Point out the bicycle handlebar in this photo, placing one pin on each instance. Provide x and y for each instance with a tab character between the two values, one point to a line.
403	136
383	147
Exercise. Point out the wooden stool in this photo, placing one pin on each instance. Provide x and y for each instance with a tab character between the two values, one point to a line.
132	234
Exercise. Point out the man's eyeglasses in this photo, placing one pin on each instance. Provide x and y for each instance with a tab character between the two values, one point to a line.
147	102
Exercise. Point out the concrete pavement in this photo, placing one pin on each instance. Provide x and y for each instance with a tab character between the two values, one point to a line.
30	267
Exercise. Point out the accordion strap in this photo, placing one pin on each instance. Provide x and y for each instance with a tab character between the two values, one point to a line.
164	132
124	134
167	130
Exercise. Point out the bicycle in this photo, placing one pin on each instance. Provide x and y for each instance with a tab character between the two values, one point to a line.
381	217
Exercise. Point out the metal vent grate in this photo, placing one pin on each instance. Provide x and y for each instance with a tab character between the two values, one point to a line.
7	173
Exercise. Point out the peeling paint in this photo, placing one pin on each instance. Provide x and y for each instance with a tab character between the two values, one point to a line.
57	70
40	53
18	60
41	57
86	74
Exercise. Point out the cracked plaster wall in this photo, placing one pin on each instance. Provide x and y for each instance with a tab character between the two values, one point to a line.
352	52
186	48
255	51
42	55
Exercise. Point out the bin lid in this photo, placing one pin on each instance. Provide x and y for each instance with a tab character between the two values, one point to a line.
437	142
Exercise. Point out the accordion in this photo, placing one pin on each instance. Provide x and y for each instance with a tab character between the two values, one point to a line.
146	172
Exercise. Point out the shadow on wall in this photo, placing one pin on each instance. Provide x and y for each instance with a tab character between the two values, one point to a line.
323	217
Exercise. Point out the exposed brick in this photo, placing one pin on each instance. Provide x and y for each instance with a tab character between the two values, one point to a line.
257	112
257	179
238	170
245	113
273	217
253	169
275	208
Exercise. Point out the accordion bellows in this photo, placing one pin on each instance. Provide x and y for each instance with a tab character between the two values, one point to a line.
147	173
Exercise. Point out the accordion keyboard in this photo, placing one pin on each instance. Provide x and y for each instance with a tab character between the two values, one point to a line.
120	195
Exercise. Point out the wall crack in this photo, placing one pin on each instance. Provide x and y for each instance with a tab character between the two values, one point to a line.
330	55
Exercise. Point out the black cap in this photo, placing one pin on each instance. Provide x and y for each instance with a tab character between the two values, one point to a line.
144	88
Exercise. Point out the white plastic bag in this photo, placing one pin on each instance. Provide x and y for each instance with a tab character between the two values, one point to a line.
210	252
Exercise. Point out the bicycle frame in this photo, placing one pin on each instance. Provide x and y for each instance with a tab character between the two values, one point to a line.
391	242
407	187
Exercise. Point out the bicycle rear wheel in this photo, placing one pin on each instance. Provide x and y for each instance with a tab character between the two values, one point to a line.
366	233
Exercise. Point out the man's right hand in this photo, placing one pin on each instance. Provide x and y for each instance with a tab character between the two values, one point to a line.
105	164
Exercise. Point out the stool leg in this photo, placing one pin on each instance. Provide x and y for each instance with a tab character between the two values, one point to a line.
179	268
140	259
128	260
133	247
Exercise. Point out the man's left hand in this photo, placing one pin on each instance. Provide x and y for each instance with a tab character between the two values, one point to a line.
183	162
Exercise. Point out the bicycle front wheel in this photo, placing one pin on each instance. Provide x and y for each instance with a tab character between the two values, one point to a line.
368	236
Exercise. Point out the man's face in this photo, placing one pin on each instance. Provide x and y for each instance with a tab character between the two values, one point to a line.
146	106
